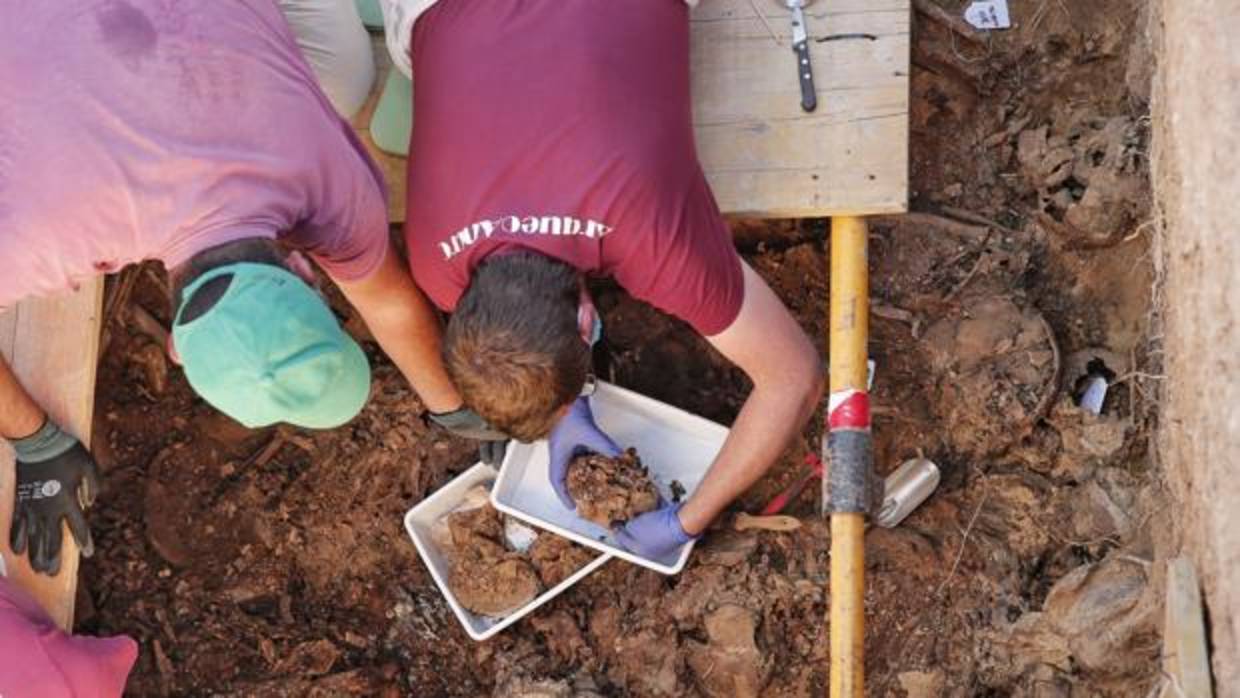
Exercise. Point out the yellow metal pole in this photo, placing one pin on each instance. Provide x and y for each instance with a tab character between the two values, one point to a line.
851	453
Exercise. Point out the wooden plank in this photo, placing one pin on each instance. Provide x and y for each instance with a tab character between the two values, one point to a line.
765	156
53	351
1186	658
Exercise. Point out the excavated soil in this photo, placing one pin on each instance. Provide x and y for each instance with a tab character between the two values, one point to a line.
491	573
610	491
997	367
274	562
557	559
486	577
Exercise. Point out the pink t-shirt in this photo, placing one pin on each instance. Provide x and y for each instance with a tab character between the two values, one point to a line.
38	659
149	129
565	128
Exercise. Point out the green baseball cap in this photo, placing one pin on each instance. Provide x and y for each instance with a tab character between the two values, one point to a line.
271	351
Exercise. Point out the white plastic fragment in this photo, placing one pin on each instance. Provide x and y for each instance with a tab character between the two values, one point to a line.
1095	395
988	14
518	535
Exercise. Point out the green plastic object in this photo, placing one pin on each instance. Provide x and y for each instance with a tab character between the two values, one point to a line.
393	119
371	14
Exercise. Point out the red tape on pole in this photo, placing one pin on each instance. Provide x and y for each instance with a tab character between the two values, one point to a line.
849	409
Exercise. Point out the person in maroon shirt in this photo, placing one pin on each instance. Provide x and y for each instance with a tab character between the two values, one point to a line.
553	141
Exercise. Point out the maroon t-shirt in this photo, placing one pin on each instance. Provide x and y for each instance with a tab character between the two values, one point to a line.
565	128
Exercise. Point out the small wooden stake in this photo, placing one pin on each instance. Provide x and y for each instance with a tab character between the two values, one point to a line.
1186	660
745	522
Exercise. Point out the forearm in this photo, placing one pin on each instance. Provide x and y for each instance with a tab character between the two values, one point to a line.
20	415
409	331
768	344
407	327
767	422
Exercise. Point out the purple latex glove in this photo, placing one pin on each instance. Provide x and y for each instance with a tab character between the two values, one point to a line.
656	534
576	433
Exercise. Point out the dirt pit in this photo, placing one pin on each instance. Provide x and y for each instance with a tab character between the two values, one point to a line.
610	491
273	562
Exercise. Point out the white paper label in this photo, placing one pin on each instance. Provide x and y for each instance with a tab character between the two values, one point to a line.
988	14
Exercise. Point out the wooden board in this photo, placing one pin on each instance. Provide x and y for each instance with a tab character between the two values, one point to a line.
763	155
1186	656
52	346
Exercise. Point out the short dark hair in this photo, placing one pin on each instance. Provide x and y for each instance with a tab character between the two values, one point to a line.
513	347
253	250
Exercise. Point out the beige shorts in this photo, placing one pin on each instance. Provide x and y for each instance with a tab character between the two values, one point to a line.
399	17
337	46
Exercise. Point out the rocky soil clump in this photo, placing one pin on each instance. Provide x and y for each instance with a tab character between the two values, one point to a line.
610	491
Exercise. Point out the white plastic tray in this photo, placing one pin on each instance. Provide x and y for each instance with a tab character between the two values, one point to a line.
418	522
672	444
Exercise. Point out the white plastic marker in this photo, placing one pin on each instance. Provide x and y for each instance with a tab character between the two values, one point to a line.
988	14
1095	395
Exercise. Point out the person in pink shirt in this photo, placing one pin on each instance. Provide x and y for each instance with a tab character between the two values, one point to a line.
194	133
37	659
553	141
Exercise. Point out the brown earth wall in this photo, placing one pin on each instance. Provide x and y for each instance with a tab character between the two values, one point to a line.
1196	168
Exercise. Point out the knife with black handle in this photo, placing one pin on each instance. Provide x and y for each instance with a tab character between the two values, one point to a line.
800	46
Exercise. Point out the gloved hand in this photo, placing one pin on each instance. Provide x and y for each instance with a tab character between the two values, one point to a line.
470	425
56	479
575	434
656	534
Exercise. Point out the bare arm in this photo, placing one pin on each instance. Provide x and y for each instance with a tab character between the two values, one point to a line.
402	320
772	349
20	415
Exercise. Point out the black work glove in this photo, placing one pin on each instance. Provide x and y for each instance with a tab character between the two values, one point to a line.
470	425
56	480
